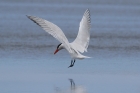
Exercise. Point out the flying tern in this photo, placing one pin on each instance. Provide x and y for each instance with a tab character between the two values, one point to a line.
75	48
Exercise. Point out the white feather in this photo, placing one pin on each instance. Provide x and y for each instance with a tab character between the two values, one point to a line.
52	29
79	44
82	40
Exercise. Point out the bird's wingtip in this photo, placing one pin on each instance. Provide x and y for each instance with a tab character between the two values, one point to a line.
28	16
88	9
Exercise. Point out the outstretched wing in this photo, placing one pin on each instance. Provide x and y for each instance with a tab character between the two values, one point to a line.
82	40
52	29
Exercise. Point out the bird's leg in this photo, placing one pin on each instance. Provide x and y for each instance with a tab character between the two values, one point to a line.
73	62
71	65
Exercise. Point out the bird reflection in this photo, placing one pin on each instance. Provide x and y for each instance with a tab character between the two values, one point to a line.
72	85
73	88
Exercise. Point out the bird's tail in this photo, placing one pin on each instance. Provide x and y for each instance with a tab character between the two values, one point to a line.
87	57
82	57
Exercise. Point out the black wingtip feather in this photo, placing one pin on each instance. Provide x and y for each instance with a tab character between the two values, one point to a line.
32	20
28	16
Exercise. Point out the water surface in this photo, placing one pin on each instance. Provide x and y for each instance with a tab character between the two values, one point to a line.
27	62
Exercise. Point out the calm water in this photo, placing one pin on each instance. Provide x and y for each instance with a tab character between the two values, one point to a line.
27	63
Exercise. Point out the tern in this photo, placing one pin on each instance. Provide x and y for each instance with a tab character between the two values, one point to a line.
75	48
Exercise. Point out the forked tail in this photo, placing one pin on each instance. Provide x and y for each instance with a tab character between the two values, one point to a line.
87	57
82	57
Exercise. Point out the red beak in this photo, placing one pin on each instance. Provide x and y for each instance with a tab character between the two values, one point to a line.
56	51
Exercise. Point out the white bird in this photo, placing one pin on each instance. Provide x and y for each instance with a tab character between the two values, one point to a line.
75	48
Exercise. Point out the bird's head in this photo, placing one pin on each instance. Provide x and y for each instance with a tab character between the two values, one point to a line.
59	47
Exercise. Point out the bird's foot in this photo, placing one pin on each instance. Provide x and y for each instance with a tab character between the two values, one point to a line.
70	66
